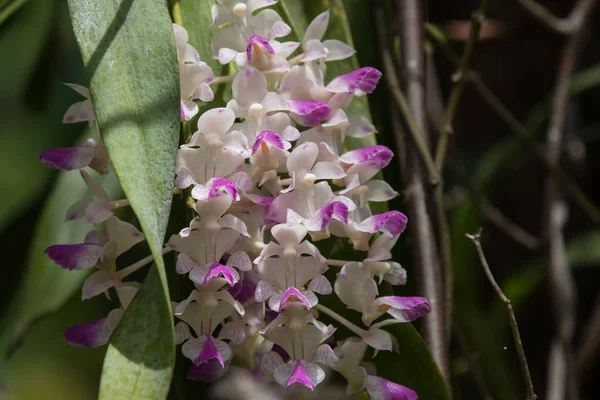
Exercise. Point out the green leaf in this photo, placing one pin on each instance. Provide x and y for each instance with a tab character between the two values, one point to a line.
45	286
197	20
140	356
292	12
8	7
129	54
414	366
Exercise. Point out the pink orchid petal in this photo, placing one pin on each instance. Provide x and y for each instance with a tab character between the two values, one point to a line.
255	41
308	112
268	137
94	333
361	81
392	223
403	309
68	158
382	389
75	256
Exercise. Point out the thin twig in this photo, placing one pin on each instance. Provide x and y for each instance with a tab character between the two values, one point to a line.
425	253
514	327
565	26
554	215
477	20
567	184
413	128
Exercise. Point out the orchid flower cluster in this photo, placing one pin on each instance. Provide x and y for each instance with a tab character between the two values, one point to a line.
269	178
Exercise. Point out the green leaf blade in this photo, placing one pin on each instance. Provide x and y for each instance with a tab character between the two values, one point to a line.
129	54
139	363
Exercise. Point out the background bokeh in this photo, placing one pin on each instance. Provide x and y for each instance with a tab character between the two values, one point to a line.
516	58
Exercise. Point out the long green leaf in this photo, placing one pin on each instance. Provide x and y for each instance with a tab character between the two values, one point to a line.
45	286
129	54
139	361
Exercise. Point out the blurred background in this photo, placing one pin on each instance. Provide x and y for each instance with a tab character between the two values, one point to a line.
492	176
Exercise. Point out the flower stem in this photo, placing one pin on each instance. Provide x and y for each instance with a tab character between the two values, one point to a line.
140	264
325	310
222	79
336	263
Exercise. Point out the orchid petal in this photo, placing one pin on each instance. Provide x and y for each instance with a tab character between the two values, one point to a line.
361	81
95	333
75	256
337	50
382	389
316	29
68	158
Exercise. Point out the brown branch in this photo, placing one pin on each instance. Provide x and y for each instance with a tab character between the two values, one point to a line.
514	327
438	113
565	26
421	228
554	216
477	19
516	127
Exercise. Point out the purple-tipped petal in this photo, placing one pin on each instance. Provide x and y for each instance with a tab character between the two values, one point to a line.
75	256
68	158
308	112
382	389
293	295
94	333
323	216
203	275
209	352
254	42
207	372
376	156
217	270
403	309
268	137
214	188
391	223
361	81
300	376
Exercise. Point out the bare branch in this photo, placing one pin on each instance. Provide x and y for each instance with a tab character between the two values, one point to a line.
516	127
459	77
514	327
412	109
565	26
554	216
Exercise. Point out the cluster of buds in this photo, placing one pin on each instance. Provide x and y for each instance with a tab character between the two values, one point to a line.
269	177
